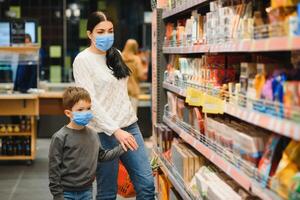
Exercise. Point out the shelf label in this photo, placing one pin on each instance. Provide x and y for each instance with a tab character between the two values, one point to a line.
194	97
210	104
213	105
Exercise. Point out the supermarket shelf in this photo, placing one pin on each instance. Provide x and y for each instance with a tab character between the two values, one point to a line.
15	134
187	5
184	194
261	45
281	126
174	89
16	158
187	49
18	96
20	49
237	175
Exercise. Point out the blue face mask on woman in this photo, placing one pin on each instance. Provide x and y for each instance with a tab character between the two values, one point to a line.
104	42
82	118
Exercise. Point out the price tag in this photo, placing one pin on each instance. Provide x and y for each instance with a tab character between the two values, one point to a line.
194	97
213	105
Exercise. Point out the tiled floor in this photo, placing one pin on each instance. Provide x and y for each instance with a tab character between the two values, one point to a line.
21	182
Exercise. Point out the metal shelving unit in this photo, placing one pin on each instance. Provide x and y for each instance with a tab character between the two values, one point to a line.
183	7
174	177
221	158
260	45
276	124
217	155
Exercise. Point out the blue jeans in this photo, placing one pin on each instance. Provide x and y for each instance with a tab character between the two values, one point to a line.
81	195
136	163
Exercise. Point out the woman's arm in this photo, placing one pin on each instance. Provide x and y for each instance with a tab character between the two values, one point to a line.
83	79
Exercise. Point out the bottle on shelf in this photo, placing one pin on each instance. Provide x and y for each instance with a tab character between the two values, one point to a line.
16	128
22	124
27	146
2	128
0	146
9	128
14	145
28	124
9	144
18	146
4	146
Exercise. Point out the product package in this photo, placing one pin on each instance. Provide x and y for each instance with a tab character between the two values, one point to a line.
288	167
163	187
291	100
180	109
212	187
269	162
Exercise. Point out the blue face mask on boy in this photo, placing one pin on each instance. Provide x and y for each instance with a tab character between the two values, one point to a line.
104	42
82	118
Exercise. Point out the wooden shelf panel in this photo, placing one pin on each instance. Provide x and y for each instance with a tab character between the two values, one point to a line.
15	134
18	96
16	157
20	49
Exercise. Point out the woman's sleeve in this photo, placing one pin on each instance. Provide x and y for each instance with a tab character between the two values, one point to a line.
141	71
83	79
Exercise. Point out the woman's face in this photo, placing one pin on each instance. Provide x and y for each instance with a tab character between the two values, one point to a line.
105	27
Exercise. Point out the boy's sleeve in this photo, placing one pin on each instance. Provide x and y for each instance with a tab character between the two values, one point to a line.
107	155
55	159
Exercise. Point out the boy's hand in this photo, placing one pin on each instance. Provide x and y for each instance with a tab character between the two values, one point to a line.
126	140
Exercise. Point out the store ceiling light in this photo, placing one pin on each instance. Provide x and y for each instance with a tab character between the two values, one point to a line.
76	12
68	13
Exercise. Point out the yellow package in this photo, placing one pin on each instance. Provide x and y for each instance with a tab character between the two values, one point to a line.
283	3
163	187
289	165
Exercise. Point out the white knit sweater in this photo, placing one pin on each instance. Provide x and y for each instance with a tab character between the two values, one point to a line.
110	101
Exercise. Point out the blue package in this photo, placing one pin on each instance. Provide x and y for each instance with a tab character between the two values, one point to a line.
278	93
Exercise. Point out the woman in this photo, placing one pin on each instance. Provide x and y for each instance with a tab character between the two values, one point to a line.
134	63
101	70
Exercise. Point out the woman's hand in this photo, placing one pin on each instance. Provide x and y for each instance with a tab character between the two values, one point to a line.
126	140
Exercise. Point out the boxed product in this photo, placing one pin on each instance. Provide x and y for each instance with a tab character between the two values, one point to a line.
212	187
272	155
186	160
249	142
248	70
198	120
180	109
172	103
292	100
163	187
180	161
243	140
164	137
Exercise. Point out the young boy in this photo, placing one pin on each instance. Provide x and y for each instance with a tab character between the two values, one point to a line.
75	150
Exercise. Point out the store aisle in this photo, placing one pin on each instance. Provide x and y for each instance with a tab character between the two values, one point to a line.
21	182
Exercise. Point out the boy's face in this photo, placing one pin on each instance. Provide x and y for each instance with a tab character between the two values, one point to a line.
80	106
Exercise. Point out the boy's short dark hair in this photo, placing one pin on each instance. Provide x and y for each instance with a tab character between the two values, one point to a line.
73	95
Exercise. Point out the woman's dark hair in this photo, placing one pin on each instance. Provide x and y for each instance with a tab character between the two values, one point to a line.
114	59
